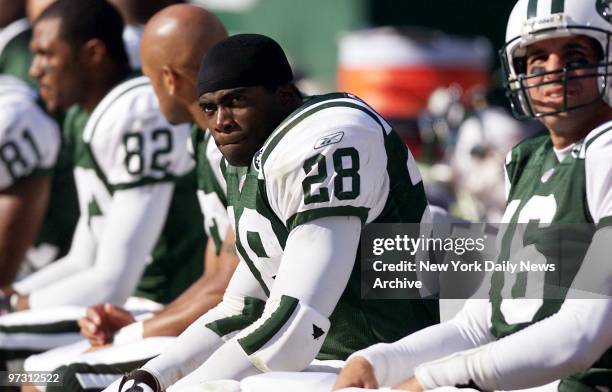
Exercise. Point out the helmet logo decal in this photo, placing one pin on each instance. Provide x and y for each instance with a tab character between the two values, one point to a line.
604	7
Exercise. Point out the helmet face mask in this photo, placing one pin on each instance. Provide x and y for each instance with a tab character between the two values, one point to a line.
526	27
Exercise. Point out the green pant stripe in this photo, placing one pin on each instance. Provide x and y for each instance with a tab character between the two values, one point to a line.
71	382
8	355
270	327
252	310
532	9
47	329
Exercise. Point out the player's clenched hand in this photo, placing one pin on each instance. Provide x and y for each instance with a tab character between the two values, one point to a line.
93	325
358	372
102	321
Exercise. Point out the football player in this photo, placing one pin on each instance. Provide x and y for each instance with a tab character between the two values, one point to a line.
303	177
557	60
140	227
55	233
173	44
29	145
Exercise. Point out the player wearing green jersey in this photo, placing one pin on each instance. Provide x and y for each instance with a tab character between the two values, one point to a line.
557	60
140	229
174	41
303	177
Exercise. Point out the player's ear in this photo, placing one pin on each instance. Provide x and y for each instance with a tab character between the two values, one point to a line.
171	80
93	52
288	95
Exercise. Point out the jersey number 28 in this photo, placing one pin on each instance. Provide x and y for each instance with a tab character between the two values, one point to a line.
342	189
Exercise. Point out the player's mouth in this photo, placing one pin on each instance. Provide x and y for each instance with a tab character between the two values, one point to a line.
44	90
557	96
230	140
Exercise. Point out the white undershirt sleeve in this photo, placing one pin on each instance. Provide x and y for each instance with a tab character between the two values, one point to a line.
317	262
133	224
314	275
573	338
395	362
569	341
81	256
195	345
509	363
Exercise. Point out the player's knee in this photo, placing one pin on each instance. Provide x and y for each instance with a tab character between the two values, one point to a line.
286	338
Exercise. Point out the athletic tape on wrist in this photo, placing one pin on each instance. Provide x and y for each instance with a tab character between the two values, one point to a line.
129	333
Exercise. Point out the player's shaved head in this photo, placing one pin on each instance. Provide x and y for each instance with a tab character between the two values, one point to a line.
179	36
173	44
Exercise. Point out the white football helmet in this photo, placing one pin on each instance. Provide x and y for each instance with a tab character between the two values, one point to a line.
536	20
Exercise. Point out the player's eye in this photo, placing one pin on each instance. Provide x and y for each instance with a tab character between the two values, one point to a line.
578	62
237	100
208	108
536	70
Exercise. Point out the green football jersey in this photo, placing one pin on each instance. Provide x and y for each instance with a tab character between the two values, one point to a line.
548	217
211	186
334	156
115	149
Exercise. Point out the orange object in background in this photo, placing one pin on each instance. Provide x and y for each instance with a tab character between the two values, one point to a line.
404	92
396	70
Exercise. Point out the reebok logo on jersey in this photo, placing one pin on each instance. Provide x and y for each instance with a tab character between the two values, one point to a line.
316	332
329	139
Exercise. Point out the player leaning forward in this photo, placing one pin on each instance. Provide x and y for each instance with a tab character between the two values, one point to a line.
131	168
303	177
557	58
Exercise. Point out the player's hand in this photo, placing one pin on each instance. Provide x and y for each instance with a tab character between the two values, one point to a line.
412	384
359	373
102	321
96	348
